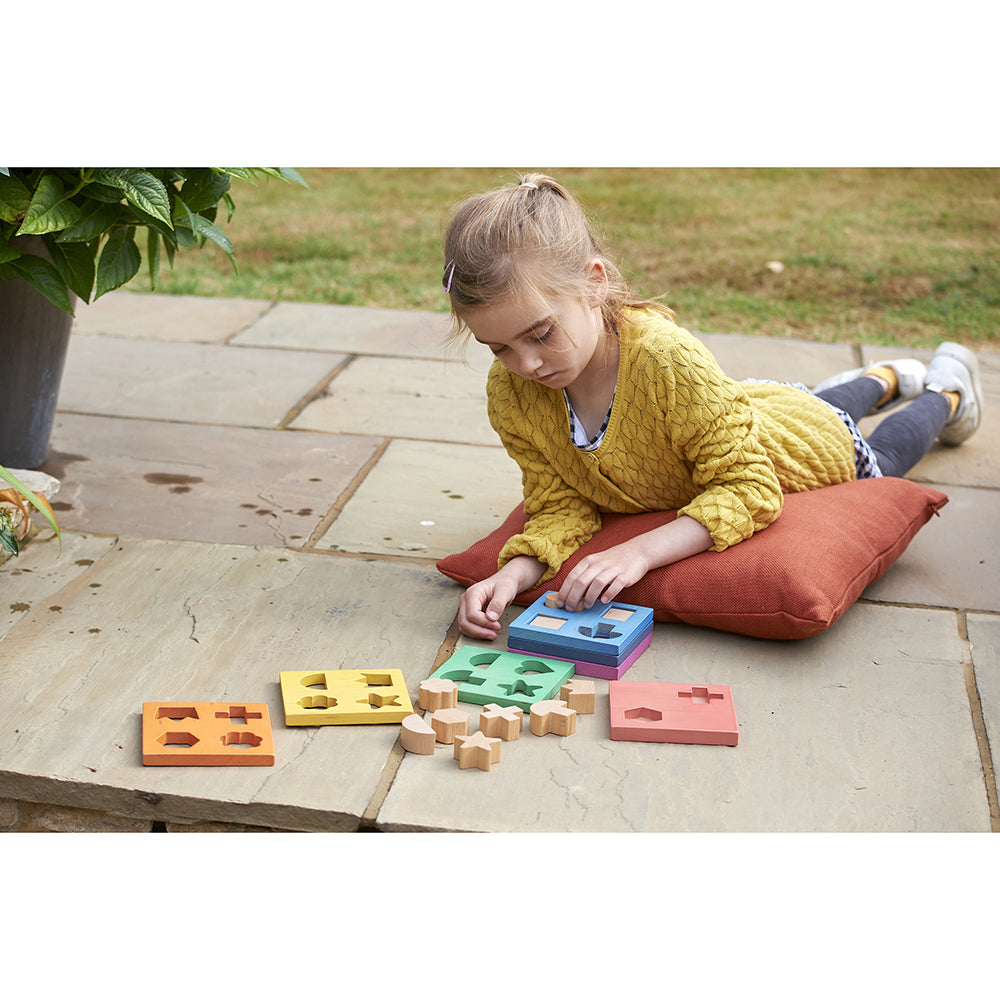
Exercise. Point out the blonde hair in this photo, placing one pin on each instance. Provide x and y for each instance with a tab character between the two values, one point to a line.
530	241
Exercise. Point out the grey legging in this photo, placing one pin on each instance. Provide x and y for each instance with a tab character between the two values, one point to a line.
905	435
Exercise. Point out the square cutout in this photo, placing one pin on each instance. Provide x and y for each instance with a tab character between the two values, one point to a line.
547	621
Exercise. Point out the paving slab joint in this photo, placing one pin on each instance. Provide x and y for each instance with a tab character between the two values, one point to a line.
979	723
345	497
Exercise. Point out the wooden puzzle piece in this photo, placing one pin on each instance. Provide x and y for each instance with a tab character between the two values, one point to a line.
673	713
206	734
416	736
500	677
448	723
552	717
478	750
435	693
592	634
344	697
502	721
579	695
605	671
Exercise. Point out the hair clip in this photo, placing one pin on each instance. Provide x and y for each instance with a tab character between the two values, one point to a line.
529	184
449	273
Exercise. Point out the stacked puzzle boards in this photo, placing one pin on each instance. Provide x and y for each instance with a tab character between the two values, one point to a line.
602	641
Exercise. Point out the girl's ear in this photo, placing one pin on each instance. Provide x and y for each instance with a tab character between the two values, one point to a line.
597	284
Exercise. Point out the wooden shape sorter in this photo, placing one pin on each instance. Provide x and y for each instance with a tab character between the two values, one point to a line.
602	641
206	734
344	697
500	677
672	713
587	668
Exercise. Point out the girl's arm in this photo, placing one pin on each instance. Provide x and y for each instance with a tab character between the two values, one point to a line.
482	604
603	575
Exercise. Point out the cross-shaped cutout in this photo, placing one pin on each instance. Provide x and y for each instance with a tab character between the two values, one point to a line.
701	695
238	715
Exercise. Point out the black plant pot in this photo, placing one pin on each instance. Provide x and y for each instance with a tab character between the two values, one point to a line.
34	337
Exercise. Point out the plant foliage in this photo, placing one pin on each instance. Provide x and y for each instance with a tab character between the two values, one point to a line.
89	217
16	497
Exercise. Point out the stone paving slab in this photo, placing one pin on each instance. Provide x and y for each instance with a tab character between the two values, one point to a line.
952	562
199	482
864	728
165	621
189	318
427	499
984	638
312	326
404	398
42	568
195	383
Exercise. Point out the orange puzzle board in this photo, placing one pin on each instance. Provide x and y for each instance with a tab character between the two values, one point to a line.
206	734
654	712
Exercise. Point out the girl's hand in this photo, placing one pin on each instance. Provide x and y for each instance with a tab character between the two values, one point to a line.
481	606
603	575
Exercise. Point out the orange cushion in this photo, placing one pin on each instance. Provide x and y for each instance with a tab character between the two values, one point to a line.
791	580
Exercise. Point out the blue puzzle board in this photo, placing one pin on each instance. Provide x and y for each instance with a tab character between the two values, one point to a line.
490	676
557	649
603	633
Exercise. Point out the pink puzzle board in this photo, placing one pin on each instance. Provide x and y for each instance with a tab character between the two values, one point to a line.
653	712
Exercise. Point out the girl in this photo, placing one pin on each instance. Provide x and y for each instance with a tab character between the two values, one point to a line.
607	405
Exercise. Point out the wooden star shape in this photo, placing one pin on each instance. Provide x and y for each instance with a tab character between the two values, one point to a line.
477	750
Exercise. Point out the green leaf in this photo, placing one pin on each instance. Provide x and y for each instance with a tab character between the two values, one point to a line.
101	192
9	476
244	173
96	219
202	228
14	199
7	252
75	264
49	210
119	261
152	256
45	278
210	231
203	189
140	187
292	175
8	538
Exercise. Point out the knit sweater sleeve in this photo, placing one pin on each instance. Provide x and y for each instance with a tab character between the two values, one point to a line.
559	518
714	430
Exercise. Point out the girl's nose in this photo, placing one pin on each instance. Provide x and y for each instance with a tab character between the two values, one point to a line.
531	363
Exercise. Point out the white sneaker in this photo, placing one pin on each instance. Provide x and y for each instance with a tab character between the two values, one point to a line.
954	368
910	373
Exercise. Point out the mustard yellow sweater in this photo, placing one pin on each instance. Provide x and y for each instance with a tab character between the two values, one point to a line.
682	436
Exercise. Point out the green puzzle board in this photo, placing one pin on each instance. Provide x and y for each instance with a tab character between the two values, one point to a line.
488	676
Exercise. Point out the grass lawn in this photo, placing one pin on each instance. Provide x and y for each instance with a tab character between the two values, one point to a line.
899	256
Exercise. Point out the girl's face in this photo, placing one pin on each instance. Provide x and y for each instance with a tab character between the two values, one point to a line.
553	344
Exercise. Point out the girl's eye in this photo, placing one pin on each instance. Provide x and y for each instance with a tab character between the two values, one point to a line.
545	336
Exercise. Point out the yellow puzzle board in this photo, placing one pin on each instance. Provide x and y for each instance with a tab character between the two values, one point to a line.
344	697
